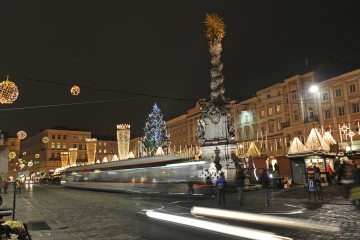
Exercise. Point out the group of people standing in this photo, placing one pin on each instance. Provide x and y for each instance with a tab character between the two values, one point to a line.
221	185
4	185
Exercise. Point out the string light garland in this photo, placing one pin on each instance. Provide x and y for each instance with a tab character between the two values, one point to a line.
75	90
21	135
73	156
8	91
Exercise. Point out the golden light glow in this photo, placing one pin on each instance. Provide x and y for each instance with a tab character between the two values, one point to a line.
37	155
30	164
12	155
215	28
73	156
45	139
91	149
21	135
8	91
75	90
123	139
64	159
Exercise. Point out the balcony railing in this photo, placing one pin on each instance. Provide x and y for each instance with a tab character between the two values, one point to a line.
285	124
311	119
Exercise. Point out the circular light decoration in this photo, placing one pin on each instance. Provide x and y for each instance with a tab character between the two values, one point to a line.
21	135
24	153
37	155
8	91
75	90
12	155
30	164
45	139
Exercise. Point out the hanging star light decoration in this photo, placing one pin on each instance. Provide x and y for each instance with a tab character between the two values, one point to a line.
21	135
8	91
45	139
12	155
75	90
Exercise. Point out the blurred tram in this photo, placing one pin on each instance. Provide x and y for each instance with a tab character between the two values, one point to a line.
158	174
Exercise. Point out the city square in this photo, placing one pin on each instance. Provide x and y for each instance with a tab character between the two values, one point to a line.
248	139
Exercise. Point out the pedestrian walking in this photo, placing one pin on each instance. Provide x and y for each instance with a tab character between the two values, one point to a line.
221	184
264	181
5	187
240	183
18	186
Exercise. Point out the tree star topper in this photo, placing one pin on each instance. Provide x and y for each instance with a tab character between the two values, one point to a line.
215	28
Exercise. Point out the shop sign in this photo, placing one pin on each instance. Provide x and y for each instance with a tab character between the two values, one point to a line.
311	185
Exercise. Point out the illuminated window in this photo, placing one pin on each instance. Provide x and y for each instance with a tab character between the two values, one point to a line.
246	118
355	107
270	111
341	111
52	145
105	144
58	145
104	150
64	145
279	126
262	113
278	108
99	150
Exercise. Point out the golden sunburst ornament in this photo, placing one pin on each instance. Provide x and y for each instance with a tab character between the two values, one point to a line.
12	155
45	139
215	28
21	135
8	91
75	90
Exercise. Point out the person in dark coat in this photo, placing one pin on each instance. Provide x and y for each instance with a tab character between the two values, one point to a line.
265	182
240	183
221	184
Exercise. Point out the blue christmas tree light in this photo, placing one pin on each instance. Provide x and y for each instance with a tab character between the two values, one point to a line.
155	131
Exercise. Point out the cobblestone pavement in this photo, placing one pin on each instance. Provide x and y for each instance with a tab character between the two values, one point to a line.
80	214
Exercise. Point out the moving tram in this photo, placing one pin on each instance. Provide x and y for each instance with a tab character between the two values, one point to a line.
158	174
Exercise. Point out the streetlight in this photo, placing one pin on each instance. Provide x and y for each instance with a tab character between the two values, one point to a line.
314	88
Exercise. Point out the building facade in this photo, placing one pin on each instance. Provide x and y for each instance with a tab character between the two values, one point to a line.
43	150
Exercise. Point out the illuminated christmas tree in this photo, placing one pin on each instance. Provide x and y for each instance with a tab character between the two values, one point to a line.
328	140
297	146
155	131
314	141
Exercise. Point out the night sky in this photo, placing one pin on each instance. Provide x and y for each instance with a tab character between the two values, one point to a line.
156	48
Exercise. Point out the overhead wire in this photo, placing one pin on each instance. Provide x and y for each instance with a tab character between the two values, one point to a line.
106	90
70	104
